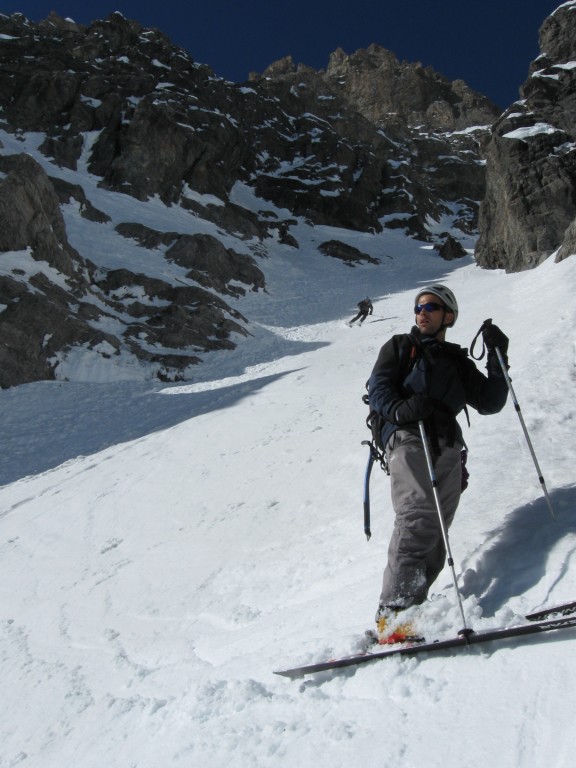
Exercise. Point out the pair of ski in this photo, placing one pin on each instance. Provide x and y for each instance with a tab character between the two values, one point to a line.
546	620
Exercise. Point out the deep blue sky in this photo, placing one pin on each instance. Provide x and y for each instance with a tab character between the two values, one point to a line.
487	43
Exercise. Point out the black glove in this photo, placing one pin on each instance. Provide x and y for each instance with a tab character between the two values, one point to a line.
493	337
415	408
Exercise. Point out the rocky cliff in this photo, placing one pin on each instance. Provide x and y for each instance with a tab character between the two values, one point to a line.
530	203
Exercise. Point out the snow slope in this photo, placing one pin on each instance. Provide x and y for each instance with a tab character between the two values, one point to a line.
164	549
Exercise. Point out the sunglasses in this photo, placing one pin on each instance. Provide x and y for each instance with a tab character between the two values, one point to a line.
430	306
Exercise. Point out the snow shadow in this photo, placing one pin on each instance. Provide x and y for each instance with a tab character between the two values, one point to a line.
516	555
48	423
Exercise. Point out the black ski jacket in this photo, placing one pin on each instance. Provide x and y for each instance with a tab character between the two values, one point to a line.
365	306
417	378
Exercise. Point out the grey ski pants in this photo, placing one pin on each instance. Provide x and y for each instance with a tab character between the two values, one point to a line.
416	553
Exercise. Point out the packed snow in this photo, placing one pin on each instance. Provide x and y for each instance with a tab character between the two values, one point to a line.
164	549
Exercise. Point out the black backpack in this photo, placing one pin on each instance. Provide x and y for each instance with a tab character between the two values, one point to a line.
375	421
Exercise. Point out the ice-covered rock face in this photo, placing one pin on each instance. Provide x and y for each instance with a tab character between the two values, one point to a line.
530	201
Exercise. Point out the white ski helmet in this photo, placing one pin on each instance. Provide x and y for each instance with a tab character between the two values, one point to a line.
445	295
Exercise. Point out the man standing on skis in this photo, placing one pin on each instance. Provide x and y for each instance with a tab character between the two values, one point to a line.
420	377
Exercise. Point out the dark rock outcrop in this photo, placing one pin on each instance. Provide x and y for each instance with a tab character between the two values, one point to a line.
530	200
211	264
30	215
451	249
346	253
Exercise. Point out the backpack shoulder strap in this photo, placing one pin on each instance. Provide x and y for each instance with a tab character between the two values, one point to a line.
409	350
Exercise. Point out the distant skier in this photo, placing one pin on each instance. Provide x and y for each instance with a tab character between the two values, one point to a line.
365	308
420	377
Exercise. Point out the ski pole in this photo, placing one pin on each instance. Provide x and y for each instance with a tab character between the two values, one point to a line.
521	418
465	631
529	442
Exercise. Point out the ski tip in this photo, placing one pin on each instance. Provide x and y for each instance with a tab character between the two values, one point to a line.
292	674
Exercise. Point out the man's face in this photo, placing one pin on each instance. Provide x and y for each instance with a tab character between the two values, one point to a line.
430	321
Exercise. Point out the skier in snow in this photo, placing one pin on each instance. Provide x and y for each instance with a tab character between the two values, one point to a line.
365	308
422	377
